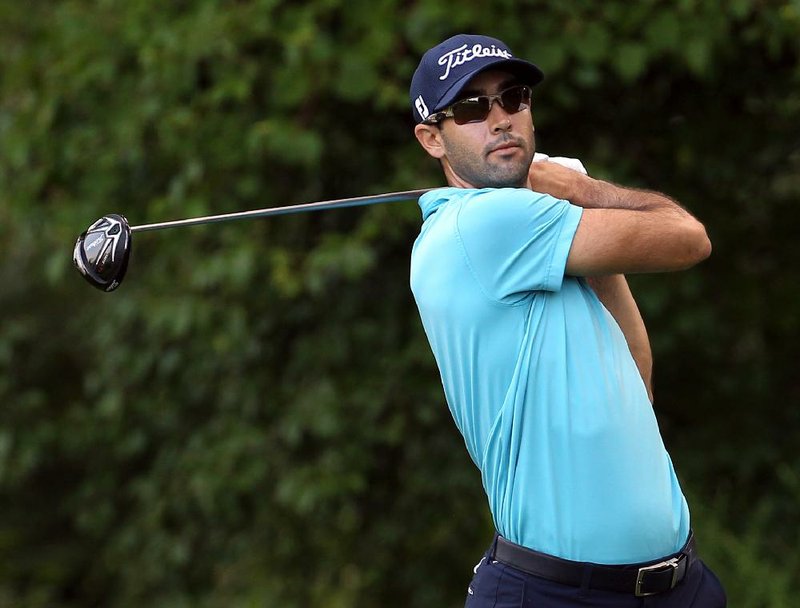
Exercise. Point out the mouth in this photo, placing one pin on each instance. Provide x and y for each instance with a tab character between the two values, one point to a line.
505	147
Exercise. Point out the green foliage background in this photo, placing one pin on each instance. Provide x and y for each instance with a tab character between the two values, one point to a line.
254	418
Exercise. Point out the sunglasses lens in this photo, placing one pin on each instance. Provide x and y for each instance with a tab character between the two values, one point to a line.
474	109
515	98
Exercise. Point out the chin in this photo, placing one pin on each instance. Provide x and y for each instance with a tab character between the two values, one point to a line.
507	179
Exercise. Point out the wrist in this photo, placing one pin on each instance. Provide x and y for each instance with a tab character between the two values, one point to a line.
584	191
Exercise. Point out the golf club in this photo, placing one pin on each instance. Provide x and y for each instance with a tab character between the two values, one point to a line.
102	251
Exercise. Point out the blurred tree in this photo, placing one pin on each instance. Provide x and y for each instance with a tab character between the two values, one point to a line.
254	418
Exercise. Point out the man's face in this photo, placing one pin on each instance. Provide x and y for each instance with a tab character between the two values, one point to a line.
494	153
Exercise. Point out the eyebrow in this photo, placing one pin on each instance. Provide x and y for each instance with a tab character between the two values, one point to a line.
502	87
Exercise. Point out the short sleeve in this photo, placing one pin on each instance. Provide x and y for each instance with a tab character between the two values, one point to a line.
516	240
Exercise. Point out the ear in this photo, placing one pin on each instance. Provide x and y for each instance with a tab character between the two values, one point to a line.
430	138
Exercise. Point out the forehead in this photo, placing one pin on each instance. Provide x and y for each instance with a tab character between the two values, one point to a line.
488	81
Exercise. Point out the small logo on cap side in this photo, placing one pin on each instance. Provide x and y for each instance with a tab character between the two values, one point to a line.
462	55
419	103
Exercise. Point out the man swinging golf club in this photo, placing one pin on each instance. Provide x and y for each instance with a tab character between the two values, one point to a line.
518	273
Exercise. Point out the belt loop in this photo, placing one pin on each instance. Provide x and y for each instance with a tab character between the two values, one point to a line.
493	547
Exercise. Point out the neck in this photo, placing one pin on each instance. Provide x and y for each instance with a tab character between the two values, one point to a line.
456	181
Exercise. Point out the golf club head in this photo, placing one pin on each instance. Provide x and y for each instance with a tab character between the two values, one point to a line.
101	252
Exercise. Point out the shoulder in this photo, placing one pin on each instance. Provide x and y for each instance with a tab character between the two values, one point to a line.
508	207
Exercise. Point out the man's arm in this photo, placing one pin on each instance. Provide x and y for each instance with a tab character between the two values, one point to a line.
616	296
622	230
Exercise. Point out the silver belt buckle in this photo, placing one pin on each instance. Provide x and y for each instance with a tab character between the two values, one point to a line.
670	563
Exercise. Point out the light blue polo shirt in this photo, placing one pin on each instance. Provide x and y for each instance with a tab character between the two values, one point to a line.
540	381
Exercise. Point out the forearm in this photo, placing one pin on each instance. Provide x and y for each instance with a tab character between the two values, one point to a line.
615	294
623	230
591	193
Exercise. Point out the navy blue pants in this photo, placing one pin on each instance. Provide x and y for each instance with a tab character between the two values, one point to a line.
496	585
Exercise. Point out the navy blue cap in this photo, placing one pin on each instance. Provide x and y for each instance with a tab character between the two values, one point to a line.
445	69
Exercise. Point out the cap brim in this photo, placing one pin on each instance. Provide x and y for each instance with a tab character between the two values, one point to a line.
525	71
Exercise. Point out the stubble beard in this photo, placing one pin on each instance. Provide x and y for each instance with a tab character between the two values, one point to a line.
486	170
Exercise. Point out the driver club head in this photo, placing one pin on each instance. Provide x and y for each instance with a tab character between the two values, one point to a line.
102	251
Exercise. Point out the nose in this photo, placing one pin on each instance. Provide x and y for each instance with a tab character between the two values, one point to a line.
498	118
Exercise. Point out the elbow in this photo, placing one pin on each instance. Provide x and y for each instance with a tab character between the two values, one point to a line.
706	249
698	246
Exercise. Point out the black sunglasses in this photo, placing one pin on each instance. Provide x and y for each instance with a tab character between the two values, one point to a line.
476	109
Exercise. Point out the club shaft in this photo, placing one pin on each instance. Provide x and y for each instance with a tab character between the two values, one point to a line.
374	199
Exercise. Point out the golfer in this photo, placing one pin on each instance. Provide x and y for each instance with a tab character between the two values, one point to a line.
518	273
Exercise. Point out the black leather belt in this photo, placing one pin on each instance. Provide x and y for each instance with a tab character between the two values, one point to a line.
649	578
